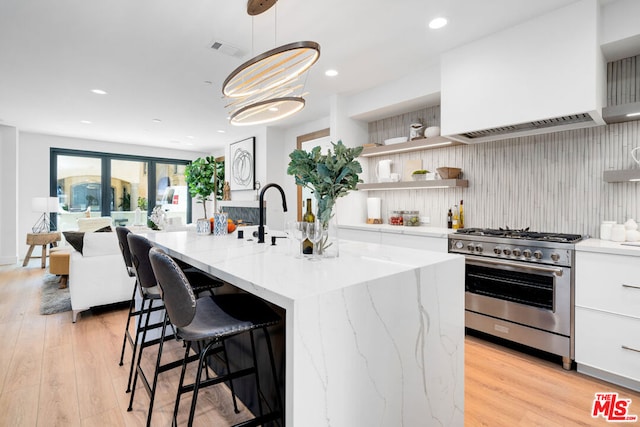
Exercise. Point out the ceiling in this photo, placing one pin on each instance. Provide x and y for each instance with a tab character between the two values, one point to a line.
153	58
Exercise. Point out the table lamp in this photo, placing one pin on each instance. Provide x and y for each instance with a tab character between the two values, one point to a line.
44	205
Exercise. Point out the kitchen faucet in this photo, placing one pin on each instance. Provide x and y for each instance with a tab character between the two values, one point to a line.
261	206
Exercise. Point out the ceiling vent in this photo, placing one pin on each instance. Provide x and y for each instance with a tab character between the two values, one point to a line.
530	128
226	49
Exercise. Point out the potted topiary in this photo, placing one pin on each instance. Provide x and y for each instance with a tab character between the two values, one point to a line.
201	179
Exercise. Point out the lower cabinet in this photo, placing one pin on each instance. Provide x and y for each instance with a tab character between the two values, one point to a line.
607	317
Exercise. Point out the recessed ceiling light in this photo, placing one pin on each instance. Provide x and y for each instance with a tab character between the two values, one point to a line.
85	122
189	136
633	114
331	73
437	23
156	120
221	131
98	91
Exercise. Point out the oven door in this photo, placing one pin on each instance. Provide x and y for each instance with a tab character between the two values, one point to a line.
533	295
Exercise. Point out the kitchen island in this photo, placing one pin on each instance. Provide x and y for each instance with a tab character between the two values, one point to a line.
374	337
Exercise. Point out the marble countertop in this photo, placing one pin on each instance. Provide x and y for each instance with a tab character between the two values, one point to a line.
609	247
273	273
421	230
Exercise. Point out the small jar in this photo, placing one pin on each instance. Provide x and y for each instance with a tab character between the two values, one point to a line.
395	218
605	230
411	218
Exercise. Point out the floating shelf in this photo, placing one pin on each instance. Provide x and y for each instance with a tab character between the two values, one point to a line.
405	147
414	185
626	175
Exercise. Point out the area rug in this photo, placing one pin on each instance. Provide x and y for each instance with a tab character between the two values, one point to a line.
52	299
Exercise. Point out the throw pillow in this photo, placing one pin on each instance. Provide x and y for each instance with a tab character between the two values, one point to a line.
75	239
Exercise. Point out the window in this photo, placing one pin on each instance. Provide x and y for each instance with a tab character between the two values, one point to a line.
102	184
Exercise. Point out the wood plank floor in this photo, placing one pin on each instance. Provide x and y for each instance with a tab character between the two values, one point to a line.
56	373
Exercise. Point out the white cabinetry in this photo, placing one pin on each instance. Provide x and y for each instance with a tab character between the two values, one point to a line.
607	317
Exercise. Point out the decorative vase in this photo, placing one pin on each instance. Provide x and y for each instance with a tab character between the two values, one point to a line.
203	226
329	248
220	226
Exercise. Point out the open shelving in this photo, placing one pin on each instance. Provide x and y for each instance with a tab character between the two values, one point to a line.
414	185
406	147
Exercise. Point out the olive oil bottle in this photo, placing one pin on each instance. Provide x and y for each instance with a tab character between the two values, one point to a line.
307	245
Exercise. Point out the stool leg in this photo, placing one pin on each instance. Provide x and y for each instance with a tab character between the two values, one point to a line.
44	256
196	384
136	341
144	336
233	392
28	256
126	328
181	381
155	374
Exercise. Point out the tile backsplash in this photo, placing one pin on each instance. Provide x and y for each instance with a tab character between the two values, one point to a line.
550	182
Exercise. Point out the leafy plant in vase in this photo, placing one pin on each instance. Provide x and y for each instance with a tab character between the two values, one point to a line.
329	176
201	179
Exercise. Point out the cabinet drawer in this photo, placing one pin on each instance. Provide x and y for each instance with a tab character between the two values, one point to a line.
609	342
608	282
415	242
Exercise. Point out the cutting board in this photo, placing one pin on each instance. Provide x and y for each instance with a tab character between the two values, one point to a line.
408	167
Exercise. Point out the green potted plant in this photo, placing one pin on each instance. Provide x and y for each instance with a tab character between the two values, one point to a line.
329	176
201	179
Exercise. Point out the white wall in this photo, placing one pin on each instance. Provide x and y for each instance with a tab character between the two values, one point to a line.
33	169
8	201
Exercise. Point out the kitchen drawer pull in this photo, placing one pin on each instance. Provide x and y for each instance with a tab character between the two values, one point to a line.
624	285
624	347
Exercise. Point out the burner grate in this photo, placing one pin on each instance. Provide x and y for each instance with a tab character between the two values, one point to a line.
524	234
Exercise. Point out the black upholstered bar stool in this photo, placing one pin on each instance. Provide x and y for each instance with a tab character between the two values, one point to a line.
139	247
212	320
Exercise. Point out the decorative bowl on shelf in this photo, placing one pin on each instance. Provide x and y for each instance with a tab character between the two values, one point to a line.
419	175
449	173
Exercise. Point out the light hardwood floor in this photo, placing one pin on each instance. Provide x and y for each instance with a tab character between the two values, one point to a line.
56	373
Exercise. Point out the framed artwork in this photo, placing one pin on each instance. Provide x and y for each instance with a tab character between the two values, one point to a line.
242	164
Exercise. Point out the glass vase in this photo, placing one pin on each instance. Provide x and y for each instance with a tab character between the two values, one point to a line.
328	247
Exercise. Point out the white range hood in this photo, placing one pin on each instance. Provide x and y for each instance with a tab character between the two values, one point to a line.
544	75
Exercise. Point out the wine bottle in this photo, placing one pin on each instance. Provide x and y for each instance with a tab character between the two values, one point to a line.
307	245
456	218
449	219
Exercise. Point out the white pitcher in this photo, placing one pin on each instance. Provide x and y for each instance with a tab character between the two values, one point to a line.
383	171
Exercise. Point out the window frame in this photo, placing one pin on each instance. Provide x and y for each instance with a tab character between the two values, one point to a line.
106	158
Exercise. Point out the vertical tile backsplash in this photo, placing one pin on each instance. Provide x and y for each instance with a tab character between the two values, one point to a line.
551	182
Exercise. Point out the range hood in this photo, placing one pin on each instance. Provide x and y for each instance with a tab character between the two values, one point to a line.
533	78
555	124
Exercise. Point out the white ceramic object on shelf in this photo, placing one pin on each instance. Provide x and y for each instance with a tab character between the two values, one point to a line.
630	225
432	131
633	154
396	140
618	233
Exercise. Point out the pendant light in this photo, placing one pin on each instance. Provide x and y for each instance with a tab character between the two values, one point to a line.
265	88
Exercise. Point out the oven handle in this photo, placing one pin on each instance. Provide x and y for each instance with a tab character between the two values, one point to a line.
482	262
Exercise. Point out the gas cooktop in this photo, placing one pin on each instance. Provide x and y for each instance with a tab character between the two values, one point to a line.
523	234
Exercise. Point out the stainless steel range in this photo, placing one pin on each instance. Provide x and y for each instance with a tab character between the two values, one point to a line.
519	286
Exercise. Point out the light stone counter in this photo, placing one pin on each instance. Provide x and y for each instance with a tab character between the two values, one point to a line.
609	247
421	230
374	337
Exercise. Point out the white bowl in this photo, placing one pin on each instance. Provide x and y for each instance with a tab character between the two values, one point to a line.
396	140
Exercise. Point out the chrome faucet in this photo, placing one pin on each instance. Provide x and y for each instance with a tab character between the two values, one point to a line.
261	206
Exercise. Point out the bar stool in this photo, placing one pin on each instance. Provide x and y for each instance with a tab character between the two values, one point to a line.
212	320
139	248
204	283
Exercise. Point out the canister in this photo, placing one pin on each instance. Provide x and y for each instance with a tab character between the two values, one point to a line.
605	230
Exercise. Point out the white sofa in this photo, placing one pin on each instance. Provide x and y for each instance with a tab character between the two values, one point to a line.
98	276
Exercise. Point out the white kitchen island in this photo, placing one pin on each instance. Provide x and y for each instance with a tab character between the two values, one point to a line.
373	338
